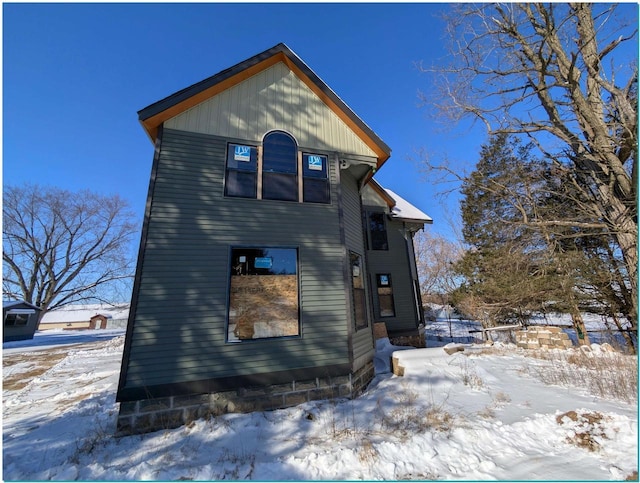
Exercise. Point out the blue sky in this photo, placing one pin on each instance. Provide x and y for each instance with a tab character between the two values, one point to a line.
75	76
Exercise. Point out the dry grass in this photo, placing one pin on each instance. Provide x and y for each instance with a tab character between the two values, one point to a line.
589	431
410	416
37	364
605	374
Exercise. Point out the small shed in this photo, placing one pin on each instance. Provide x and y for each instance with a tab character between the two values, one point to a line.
20	320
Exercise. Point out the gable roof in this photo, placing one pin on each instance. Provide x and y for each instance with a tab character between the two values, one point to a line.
151	117
8	304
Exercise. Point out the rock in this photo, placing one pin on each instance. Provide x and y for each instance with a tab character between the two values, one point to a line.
453	348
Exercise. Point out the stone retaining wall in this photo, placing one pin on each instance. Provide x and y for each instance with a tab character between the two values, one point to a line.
543	337
148	415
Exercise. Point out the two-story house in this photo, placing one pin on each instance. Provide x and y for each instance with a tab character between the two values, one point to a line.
267	250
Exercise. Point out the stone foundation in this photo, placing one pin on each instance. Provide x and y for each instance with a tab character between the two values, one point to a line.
417	341
149	415
543	337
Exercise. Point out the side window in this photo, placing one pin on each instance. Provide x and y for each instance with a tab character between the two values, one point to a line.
378	231
385	295
279	167
358	291
241	175
16	320
315	174
263	294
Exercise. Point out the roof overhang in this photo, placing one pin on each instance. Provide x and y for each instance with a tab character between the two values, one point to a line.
153	116
399	208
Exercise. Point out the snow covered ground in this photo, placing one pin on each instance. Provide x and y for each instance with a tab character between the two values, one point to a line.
466	416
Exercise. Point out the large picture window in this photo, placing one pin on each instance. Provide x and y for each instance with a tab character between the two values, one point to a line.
242	171
315	179
263	294
279	167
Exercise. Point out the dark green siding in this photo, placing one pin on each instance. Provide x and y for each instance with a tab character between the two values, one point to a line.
362	339
394	261
179	325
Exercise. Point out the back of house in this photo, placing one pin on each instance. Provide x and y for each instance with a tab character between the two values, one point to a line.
252	289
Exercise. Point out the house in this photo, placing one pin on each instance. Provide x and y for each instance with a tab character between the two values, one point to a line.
20	320
258	284
84	317
391	222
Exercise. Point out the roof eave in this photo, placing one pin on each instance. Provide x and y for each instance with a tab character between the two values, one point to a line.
152	116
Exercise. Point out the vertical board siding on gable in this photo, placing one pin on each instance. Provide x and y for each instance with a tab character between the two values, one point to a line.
362	339
180	320
277	98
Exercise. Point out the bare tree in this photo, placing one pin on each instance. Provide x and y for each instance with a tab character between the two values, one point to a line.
565	76
61	247
435	259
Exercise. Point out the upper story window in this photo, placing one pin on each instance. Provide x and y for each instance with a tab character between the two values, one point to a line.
378	231
241	178
316	179
278	171
279	167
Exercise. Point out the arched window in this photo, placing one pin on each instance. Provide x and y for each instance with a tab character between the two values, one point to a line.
279	167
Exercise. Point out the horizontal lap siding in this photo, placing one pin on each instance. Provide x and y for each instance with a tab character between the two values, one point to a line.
395	262
362	339
180	320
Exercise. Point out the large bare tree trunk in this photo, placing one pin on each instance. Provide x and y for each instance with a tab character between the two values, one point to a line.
556	74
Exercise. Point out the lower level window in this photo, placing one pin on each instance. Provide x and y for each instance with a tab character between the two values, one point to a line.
263	294
385	295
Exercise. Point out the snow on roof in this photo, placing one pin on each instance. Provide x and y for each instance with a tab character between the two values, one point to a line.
404	210
84	313
12	303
